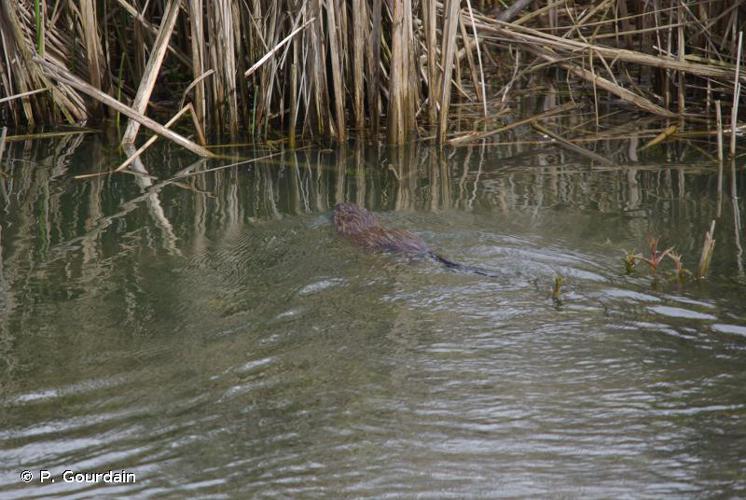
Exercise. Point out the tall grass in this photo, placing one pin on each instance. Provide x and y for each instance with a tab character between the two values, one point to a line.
318	69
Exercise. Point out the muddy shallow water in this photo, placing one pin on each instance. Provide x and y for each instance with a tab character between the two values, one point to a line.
215	338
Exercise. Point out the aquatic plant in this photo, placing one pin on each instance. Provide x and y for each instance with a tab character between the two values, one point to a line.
680	272
559	280
655	258
631	259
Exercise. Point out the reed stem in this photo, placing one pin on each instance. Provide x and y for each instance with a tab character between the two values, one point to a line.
316	68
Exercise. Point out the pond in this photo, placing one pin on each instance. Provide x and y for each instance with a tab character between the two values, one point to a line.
212	336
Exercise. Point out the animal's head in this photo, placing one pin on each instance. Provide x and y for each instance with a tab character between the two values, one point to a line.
352	219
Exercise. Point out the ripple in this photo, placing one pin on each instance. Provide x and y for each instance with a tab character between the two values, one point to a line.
629	295
275	359
320	286
730	329
678	312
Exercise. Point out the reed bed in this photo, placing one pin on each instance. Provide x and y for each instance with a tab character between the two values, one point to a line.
390	71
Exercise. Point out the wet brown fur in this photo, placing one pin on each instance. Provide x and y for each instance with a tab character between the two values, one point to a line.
365	230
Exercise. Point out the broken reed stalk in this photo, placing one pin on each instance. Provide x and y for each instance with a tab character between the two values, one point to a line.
736	96
277	47
570	146
23	94
448	50
665	134
681	50
535	38
478	136
195	84
3	133
719	120
230	165
707	249
147	83
719	123
152	140
39	8
469	57
293	105
69	79
49	135
609	86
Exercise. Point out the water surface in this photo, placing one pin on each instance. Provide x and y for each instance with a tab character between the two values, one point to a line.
215	337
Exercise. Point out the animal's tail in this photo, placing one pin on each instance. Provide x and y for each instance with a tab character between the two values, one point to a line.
463	267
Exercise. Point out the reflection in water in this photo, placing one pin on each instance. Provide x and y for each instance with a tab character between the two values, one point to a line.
211	334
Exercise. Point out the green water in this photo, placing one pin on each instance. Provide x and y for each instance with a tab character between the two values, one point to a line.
214	337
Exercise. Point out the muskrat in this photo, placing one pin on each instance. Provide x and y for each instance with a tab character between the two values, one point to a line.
365	230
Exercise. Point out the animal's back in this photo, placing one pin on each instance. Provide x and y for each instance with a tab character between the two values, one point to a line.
364	229
351	219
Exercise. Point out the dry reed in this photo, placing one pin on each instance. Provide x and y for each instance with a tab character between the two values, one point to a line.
312	69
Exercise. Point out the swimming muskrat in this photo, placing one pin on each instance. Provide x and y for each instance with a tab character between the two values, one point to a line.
365	230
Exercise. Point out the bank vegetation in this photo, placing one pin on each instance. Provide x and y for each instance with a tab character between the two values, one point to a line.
392	71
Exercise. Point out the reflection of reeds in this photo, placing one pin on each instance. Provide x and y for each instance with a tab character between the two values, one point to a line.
84	224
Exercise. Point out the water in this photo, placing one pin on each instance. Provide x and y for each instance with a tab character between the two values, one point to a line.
215	338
